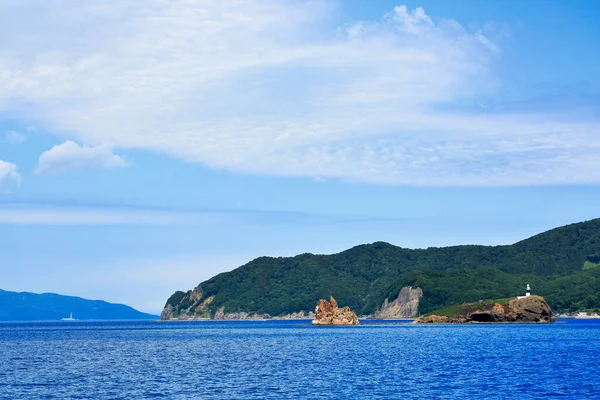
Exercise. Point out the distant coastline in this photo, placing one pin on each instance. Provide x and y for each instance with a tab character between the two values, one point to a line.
52	307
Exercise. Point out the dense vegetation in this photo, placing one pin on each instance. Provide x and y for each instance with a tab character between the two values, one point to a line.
25	306
362	277
579	291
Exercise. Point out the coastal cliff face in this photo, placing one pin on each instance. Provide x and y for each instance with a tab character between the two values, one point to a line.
220	314
525	309
406	305
167	313
187	306
194	305
328	313
531	308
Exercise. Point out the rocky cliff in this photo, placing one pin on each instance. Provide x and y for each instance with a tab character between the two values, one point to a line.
525	309
328	313
406	305
195	305
220	314
187	306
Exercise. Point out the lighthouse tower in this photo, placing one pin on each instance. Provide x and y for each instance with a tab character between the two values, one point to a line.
527	293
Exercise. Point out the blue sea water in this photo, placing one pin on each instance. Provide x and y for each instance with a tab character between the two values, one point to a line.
291	360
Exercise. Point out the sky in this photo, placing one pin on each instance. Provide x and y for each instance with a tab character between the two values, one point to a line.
146	146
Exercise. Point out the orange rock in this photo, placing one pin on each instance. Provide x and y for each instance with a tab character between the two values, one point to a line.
328	313
498	312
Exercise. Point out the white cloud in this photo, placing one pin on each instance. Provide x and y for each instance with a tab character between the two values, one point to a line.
34	214
8	176
270	87
71	156
14	137
47	215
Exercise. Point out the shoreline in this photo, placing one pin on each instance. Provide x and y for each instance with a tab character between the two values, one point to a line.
413	319
279	319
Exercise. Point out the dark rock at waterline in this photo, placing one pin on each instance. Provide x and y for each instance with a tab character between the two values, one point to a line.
524	309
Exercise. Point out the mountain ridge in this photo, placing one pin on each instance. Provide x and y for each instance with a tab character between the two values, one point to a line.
363	276
29	306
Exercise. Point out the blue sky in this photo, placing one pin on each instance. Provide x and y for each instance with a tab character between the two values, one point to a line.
146	146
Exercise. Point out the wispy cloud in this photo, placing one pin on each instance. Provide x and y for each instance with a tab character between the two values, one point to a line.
8	176
34	214
71	156
98	215
17	214
14	137
270	87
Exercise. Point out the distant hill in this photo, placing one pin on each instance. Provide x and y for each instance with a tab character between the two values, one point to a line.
24	306
563	265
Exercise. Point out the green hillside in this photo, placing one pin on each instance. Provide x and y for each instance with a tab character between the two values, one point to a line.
362	277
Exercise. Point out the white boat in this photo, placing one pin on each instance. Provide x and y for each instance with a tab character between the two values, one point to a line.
69	319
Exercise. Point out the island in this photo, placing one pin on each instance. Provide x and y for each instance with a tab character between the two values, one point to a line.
526	309
328	313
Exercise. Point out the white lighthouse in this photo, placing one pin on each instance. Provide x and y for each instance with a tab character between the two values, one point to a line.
527	292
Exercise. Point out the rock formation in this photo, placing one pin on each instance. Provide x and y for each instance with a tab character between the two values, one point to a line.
187	306
525	309
406	305
196	305
221	315
328	313
167	313
530	308
434	319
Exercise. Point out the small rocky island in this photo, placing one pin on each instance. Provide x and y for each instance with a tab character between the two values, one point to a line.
328	313
532	309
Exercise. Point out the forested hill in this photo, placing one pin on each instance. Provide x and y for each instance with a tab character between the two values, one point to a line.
24	306
363	276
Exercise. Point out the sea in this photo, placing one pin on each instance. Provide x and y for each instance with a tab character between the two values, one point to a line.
294	360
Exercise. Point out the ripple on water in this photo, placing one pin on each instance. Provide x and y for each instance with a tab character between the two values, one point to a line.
288	360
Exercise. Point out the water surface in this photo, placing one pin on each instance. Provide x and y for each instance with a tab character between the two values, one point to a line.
288	360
